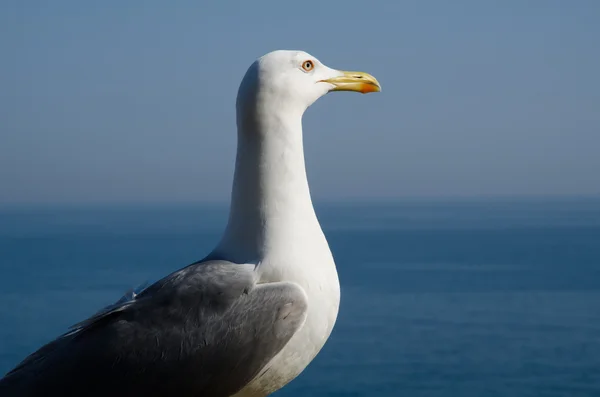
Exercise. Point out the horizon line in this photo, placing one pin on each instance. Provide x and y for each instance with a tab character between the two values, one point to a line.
316	201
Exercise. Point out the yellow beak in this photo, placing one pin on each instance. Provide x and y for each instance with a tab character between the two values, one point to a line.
354	81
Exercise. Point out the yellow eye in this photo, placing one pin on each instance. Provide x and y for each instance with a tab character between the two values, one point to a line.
308	65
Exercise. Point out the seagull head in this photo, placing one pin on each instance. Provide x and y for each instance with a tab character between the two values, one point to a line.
294	80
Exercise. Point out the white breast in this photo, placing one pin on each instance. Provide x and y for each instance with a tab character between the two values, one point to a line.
314	270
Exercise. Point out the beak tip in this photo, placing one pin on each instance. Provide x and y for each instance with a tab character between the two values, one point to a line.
368	88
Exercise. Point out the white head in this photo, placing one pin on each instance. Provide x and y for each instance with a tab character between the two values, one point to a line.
270	189
291	81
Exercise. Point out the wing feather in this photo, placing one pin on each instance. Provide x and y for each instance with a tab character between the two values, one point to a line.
205	330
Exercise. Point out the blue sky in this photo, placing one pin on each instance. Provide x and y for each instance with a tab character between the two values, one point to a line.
134	101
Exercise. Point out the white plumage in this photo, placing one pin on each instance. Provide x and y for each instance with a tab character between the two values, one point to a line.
272	219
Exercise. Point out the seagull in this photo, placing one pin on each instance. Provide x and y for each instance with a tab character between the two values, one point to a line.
249	317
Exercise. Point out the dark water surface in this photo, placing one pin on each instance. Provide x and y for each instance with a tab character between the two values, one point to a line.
469	298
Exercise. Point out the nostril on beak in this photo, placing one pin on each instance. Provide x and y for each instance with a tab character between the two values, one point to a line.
358	76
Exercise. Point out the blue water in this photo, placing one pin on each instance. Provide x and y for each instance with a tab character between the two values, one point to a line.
466	298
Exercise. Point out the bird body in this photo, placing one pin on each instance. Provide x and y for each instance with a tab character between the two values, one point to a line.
249	317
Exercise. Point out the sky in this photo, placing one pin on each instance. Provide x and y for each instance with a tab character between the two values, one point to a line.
112	101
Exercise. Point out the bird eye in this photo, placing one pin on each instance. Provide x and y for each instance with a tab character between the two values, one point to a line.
308	65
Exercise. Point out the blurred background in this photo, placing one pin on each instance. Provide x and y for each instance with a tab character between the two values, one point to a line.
462	203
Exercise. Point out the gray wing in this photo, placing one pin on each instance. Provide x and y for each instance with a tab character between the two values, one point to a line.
206	330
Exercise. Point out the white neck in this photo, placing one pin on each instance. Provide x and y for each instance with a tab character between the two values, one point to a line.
270	195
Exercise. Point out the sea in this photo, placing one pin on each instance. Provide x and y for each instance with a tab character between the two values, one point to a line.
440	298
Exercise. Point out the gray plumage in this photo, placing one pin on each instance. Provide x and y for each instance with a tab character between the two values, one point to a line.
205	330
